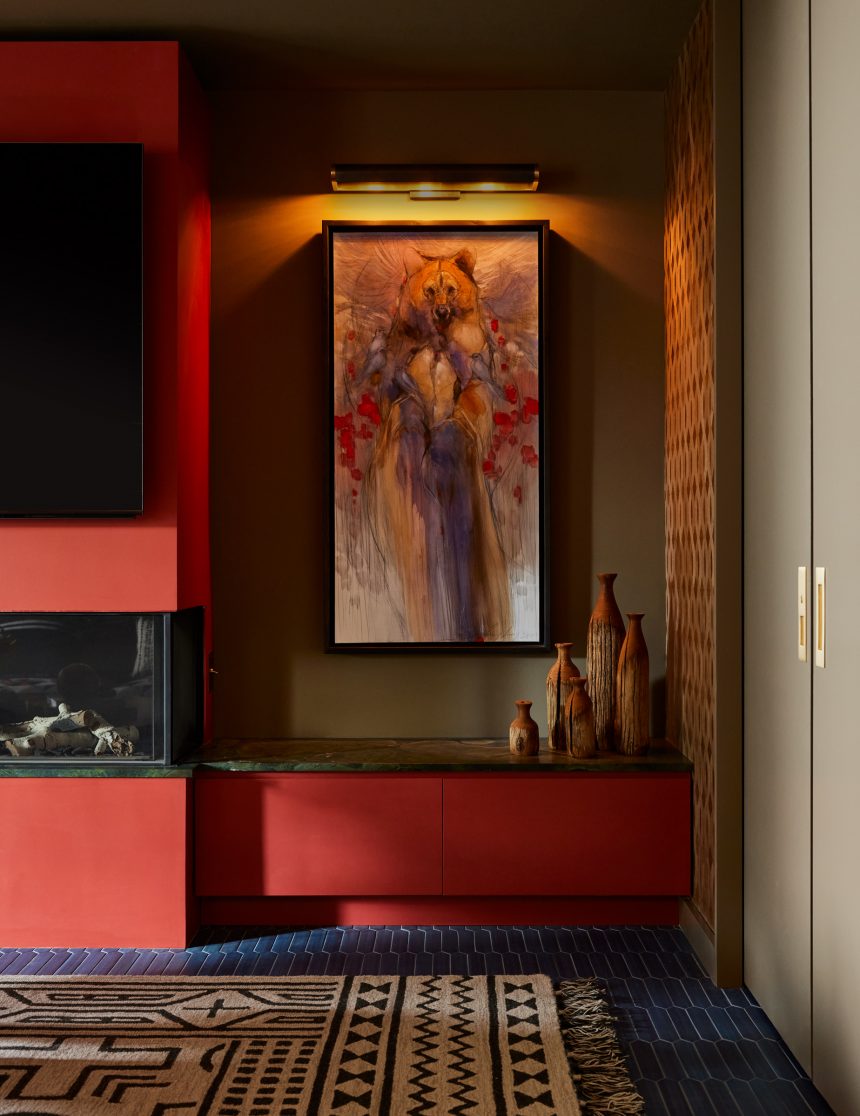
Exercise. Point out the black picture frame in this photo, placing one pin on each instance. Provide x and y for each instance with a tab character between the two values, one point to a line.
376	328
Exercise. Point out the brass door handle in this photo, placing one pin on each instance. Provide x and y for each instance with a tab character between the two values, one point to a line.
820	616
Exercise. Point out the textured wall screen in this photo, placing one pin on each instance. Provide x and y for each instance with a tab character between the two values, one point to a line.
690	459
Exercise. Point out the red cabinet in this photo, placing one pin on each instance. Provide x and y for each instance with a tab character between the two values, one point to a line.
305	834
95	862
580	834
108	861
505	834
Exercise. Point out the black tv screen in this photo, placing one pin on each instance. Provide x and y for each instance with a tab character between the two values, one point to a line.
70	329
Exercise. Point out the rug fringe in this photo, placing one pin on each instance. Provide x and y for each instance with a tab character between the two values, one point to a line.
603	1083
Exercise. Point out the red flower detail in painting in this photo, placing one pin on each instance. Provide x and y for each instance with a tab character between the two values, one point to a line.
530	456
518	494
367	408
347	445
343	424
494	325
510	391
531	408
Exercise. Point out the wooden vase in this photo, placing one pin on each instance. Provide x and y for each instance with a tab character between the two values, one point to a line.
633	710
579	721
605	637
524	736
559	687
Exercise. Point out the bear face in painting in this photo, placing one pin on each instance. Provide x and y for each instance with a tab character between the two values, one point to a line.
438	293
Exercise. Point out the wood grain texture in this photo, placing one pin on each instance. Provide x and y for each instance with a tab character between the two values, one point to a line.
524	734
559	687
605	637
579	722
633	705
690	435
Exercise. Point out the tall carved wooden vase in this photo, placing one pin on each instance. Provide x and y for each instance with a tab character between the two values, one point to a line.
605	636
524	736
579	722
559	687
633	710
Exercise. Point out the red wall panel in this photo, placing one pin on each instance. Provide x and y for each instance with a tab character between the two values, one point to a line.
127	92
95	862
587	834
300	834
194	580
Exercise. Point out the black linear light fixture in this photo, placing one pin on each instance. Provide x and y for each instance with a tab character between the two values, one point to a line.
434	180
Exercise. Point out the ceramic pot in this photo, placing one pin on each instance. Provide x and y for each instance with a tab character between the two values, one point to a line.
579	721
605	636
524	737
633	708
559	687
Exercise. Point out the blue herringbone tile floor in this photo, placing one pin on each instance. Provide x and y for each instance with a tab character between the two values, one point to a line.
694	1049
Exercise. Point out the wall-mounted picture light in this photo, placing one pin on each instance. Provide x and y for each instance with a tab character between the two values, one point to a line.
434	181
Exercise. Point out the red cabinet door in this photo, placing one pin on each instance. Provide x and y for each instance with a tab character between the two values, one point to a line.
95	862
307	834
589	834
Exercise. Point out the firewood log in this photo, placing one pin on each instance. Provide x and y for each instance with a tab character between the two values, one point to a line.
67	729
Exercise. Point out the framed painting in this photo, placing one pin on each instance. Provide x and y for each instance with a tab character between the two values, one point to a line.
437	502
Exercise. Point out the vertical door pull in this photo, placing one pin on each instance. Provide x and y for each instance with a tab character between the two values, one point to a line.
820	615
802	626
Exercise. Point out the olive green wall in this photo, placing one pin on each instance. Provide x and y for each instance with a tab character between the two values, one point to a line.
601	157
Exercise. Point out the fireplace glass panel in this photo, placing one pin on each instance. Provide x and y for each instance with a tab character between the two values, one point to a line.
91	688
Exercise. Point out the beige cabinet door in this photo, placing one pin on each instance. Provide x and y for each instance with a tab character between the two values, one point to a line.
835	72
777	502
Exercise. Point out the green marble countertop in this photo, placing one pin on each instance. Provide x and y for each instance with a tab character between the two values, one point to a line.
415	755
352	755
131	769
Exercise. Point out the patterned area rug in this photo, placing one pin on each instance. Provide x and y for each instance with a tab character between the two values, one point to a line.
308	1046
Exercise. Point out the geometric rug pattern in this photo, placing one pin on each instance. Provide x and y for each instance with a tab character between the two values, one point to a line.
288	1046
693	1049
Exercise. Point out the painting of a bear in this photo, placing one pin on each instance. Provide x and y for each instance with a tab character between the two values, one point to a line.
437	441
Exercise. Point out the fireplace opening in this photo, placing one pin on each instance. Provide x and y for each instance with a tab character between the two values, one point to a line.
100	688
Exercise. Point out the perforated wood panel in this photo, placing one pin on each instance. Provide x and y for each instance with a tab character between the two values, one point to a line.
690	457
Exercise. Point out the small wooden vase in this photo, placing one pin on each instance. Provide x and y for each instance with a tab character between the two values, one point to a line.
633	711
605	636
559	687
579	722
524	737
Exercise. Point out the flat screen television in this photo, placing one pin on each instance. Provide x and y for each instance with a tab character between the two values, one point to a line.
70	329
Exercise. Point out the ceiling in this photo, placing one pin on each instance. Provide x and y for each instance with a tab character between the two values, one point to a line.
387	44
